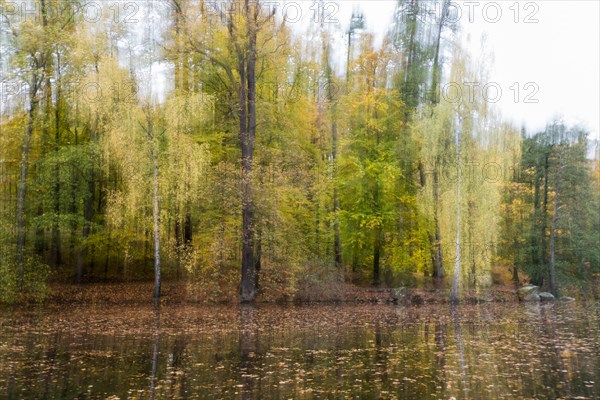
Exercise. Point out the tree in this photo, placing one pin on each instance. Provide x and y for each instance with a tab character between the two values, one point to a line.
369	158
219	138
332	88
32	56
458	252
554	166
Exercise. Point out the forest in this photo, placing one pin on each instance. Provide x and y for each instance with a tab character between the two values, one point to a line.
223	145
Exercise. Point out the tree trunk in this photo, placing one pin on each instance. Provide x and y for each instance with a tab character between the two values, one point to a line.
435	76
187	228
88	213
544	256
22	190
56	242
258	256
534	239
40	233
456	275
337	248
553	286
377	257
515	270
438	263
318	228
517	248
74	203
156	215
349	54
178	240
247	115
411	96
471	243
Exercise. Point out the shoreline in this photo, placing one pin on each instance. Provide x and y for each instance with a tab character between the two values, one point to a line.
181	292
184	292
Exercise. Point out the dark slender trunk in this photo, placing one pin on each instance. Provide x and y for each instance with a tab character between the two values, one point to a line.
22	190
438	262
337	244
435	78
108	252
355	257
431	237
187	229
348	57
73	206
553	285
410	84
377	257
337	248
318	228
178	240
534	237
107	258
248	272
40	239
515	270
258	257
247	115
517	248
472	244
179	70
56	242
146	246
88	212
544	228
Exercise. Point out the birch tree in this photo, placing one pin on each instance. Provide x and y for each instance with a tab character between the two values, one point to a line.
458	248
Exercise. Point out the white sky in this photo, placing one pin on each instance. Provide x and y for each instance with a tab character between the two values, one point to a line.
560	53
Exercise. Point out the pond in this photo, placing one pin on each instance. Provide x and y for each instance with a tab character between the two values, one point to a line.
487	351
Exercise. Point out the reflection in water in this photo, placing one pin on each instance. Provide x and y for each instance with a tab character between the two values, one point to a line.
440	354
548	314
51	357
155	342
268	352
177	376
461	350
248	349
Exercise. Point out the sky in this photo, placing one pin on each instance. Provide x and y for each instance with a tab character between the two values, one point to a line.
546	51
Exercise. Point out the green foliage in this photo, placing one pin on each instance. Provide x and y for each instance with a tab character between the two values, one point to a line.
34	287
8	282
375	142
553	160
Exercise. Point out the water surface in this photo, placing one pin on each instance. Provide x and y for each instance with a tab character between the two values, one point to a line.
488	351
